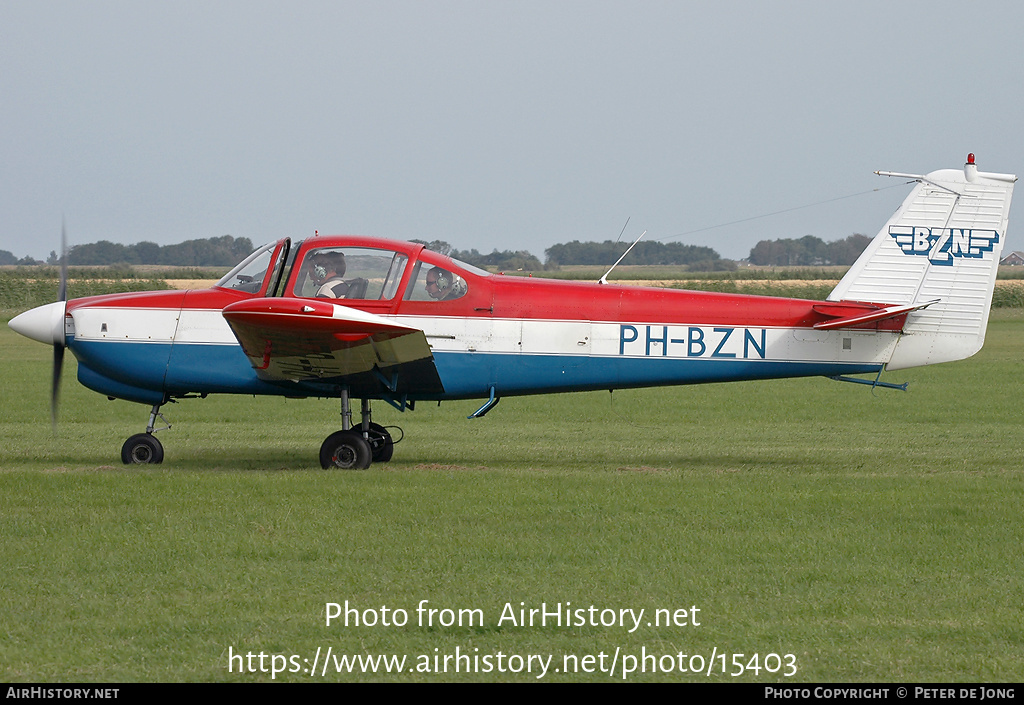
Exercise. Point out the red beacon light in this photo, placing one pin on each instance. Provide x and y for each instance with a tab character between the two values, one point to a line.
970	168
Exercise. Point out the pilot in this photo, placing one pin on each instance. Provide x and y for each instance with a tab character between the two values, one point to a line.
443	285
327	271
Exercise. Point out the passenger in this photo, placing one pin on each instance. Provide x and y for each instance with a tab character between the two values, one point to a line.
444	286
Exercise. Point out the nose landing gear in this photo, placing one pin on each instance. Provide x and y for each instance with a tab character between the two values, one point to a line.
144	448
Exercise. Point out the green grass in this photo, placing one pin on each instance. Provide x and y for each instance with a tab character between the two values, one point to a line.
115	271
817	292
19	293
645	272
874	535
642	272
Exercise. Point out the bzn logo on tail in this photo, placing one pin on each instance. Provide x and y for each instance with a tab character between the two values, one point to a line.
941	245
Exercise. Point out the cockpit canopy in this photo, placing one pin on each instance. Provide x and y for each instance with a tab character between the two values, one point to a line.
351	271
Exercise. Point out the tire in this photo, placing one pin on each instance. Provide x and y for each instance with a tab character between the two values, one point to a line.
345	450
142	449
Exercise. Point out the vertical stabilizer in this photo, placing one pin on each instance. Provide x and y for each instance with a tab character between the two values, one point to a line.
942	245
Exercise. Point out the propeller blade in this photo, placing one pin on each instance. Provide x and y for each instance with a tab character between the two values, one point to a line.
58	364
58	347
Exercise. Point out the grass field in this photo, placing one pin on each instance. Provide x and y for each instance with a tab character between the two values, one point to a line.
875	536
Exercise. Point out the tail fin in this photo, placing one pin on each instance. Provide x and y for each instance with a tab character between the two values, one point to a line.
943	245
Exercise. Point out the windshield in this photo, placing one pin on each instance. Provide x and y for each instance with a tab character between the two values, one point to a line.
249	275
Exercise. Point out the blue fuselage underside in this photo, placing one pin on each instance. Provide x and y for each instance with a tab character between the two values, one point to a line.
152	372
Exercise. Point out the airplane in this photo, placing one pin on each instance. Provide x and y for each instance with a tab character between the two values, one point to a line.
368	319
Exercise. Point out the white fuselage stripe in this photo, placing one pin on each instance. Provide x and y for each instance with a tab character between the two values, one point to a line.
575	338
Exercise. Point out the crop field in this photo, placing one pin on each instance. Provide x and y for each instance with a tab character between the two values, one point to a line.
789	531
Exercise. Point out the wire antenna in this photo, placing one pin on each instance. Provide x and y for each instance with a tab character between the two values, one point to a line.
623	228
785	210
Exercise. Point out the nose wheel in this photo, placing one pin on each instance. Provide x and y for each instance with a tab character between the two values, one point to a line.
144	448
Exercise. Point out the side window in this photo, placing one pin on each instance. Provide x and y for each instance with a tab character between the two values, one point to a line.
432	283
350	273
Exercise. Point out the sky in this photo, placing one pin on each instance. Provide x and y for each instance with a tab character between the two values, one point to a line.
493	125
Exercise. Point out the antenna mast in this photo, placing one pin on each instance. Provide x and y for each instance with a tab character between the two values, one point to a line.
604	279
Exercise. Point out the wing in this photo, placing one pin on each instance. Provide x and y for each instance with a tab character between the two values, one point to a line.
311	341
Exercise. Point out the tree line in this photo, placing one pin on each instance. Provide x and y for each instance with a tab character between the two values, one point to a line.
227	251
10	258
588	253
696	258
805	251
507	260
808	251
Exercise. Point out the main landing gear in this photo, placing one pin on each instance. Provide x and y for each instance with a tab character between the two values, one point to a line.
143	448
355	448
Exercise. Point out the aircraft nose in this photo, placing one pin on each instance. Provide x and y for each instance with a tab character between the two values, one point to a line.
43	323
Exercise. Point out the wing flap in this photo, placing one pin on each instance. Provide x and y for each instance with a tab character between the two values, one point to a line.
295	340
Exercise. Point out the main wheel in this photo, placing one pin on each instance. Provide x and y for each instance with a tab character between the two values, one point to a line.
142	448
346	450
381	444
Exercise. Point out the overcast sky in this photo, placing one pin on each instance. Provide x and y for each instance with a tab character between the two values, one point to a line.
508	125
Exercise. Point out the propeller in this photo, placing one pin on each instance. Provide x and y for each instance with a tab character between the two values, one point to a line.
58	346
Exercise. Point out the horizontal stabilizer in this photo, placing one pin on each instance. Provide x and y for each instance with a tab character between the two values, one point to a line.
855	314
